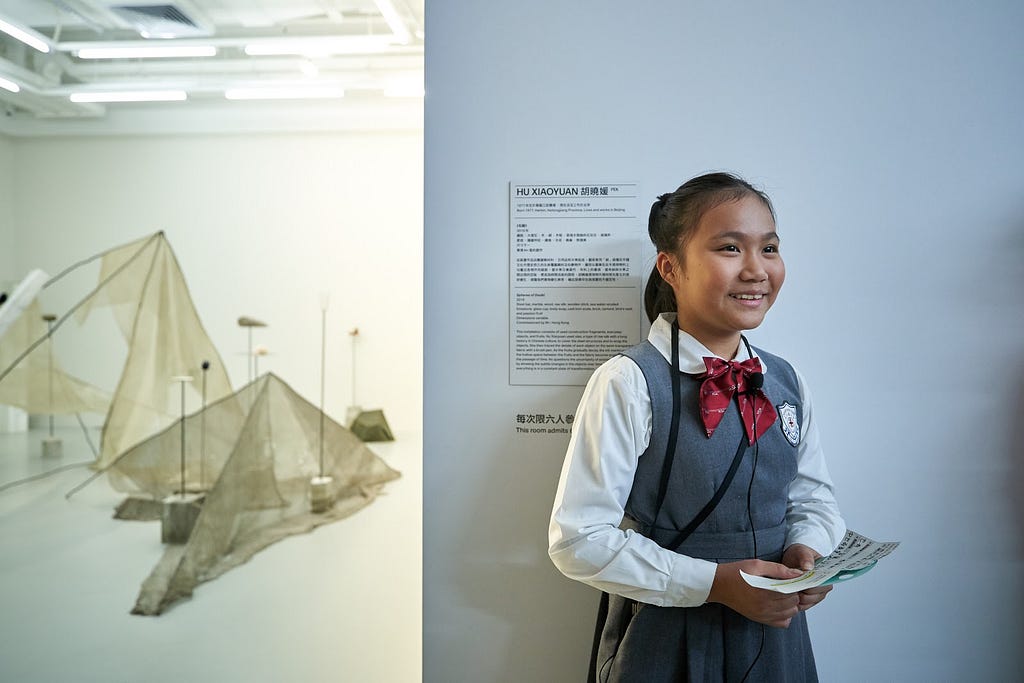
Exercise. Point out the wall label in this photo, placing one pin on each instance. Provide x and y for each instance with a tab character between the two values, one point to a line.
574	279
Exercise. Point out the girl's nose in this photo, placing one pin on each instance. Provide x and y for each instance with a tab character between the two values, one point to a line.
753	269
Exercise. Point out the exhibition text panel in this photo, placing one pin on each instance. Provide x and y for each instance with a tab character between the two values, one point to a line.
574	279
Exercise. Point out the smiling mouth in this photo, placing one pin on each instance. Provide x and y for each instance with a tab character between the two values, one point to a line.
748	297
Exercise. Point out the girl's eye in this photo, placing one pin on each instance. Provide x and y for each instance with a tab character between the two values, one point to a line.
772	249
730	247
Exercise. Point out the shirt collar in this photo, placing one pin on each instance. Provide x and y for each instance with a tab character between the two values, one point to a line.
691	351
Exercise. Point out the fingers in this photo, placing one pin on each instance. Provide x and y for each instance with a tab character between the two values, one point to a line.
778	611
800	556
763	606
771	570
812	596
769	607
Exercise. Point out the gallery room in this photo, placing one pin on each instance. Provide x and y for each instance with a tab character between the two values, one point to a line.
266	219
359	253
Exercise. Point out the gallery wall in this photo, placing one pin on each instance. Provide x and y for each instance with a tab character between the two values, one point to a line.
890	139
6	210
261	224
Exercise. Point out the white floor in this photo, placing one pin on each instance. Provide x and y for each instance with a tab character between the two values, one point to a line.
343	603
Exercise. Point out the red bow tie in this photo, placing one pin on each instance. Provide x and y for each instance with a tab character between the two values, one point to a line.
721	382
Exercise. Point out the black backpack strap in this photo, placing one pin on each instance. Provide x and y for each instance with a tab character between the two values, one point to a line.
715	499
670	454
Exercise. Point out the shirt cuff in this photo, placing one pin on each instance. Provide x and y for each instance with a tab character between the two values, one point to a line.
690	581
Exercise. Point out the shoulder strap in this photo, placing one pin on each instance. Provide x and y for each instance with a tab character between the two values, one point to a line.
673	432
670	454
715	499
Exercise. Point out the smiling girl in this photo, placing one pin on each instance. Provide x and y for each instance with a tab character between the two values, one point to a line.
694	456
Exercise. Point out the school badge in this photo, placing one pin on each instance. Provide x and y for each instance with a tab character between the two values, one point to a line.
787	419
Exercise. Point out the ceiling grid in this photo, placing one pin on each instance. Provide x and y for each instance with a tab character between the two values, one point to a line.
83	59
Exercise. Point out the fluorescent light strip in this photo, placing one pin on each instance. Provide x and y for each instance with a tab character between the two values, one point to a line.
139	96
147	52
30	38
319	47
9	85
297	93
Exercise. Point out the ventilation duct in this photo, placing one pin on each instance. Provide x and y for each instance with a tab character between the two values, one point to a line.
161	21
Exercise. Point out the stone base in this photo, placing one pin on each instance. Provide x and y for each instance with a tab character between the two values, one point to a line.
53	447
320	499
179	517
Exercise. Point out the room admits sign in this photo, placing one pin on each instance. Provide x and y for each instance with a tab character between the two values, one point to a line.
574	279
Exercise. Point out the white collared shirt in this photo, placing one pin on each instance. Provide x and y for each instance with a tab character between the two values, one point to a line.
612	428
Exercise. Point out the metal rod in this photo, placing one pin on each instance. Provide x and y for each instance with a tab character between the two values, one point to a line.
183	439
202	432
85	431
248	367
323	369
49	335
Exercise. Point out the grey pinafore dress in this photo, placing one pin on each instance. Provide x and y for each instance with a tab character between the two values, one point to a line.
642	643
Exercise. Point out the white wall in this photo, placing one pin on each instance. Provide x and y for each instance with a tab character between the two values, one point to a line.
261	224
889	136
7	208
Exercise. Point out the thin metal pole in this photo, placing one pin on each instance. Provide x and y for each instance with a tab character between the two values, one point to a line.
85	431
323	369
49	344
183	439
248	366
202	432
354	369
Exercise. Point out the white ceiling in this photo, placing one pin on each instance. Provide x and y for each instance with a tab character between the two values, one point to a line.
369	50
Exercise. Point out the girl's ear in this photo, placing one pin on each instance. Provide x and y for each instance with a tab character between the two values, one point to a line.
668	267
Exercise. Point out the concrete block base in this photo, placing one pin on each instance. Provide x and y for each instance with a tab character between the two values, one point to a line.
179	517
53	447
320	499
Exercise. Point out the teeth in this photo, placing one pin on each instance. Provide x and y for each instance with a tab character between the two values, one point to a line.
748	297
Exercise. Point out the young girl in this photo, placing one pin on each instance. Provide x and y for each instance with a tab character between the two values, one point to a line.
694	456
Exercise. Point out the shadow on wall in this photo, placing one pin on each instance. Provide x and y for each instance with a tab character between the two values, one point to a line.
1015	412
508	576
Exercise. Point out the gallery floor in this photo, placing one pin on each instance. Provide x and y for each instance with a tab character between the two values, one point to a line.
342	603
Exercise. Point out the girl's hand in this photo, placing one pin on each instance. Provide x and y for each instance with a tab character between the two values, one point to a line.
803	557
763	606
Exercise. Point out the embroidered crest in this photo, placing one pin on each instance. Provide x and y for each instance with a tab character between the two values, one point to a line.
787	419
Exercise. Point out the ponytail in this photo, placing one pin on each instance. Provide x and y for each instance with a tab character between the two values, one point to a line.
658	296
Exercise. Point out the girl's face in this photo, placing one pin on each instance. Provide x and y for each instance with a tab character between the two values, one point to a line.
728	275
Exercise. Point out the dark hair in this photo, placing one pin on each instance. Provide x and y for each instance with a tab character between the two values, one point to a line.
674	218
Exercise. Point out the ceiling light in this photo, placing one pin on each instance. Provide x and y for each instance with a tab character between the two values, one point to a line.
320	47
127	96
27	36
147	52
284	93
9	85
395	23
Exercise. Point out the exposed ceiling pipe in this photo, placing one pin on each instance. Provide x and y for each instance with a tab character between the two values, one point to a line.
73	8
394	20
352	42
